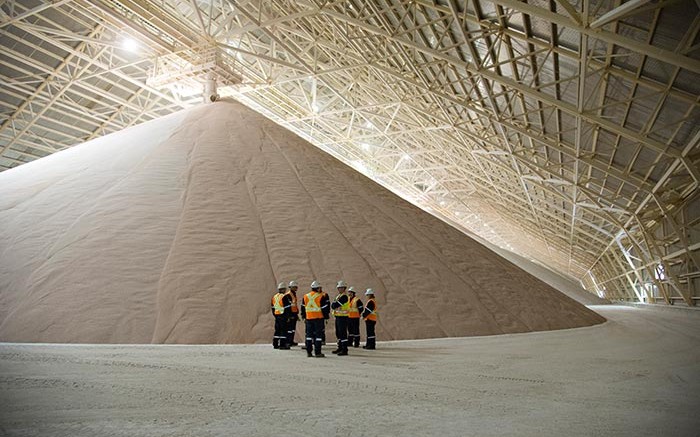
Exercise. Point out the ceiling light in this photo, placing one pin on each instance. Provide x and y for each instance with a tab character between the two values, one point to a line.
130	45
366	147
315	107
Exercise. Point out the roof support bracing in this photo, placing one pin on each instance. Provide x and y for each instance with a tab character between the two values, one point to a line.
28	13
29	123
687	63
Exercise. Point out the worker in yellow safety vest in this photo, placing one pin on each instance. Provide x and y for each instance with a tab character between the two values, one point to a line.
341	308
356	309
370	316
294	317
281	307
314	311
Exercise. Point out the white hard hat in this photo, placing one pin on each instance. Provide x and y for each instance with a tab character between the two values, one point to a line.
315	284
281	286
351	289
341	283
293	284
369	291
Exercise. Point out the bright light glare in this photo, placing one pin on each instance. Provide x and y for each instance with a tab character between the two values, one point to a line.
660	272
315	107
366	147
360	166
405	156
130	44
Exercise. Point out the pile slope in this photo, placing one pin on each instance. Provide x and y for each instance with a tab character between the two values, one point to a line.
561	283
177	230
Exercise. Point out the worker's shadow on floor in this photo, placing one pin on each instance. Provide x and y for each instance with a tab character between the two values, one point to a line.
397	354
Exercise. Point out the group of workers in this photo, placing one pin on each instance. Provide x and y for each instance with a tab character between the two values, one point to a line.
316	309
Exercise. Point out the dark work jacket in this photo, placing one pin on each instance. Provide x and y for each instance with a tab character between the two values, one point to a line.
368	309
340	300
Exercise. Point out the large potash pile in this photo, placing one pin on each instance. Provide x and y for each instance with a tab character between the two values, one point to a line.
179	229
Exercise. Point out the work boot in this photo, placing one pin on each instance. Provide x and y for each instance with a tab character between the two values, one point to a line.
320	355
343	352
309	355
285	347
294	343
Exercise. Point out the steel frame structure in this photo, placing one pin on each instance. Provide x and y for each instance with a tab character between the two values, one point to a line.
564	131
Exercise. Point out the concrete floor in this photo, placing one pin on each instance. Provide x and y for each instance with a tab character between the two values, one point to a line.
636	375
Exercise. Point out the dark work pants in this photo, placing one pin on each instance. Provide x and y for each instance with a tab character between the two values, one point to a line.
341	332
291	329
315	330
354	331
280	338
371	342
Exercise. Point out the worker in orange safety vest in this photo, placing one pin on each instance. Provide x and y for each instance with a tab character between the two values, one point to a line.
294	316
314	310
356	309
370	316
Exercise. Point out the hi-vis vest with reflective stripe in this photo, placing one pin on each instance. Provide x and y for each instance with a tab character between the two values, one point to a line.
312	305
353	312
344	308
277	303
293	298
373	314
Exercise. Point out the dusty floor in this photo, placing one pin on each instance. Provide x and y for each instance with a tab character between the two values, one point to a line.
636	375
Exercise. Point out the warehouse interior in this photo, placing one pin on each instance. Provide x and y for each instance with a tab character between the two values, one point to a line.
564	135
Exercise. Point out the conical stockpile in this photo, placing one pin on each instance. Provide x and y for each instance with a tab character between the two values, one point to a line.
178	230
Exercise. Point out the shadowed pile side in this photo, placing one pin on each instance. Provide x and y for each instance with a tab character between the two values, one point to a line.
177	230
